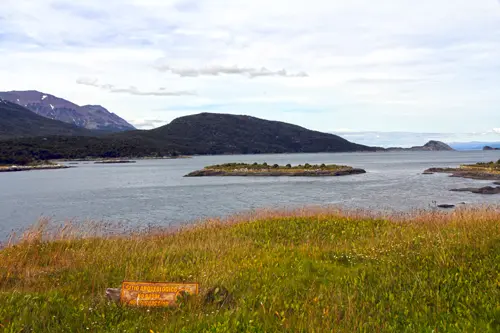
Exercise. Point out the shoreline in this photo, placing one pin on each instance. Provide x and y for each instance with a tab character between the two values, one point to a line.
465	173
471	172
99	159
18	168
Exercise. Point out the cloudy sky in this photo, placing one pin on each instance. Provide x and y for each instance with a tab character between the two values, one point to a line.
428	66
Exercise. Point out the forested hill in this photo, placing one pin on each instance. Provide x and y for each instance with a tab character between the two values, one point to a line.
213	133
17	121
205	133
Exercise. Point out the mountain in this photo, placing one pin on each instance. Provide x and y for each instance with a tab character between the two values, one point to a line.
213	133
490	148
429	146
93	117
205	133
17	121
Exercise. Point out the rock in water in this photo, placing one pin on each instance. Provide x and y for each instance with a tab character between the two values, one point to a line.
482	190
446	206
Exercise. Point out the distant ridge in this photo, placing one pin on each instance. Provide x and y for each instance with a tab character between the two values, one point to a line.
94	117
216	133
200	134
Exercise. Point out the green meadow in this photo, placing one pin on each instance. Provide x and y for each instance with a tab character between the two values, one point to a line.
309	270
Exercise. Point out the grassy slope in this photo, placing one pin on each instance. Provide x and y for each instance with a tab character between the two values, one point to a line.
310	271
491	167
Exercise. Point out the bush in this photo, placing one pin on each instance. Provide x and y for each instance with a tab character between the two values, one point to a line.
289	166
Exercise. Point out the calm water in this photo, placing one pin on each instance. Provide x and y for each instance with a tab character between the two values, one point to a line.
154	191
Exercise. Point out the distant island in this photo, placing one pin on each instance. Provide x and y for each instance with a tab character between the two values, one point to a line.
262	170
490	148
432	145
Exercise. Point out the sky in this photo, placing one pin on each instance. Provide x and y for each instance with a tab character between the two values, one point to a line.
354	67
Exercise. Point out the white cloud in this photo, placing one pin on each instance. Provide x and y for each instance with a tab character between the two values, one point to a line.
399	65
132	90
228	70
496	130
148	123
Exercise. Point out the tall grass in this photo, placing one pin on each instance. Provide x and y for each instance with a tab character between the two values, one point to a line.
309	270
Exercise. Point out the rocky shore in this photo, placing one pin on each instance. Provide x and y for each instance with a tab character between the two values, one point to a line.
465	173
481	190
276	173
15	168
114	162
480	171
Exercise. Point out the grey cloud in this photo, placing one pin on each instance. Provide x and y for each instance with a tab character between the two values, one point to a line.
131	90
228	70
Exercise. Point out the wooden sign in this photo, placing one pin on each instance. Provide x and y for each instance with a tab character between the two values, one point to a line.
154	294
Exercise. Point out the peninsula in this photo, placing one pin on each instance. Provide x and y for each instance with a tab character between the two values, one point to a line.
263	170
479	171
15	168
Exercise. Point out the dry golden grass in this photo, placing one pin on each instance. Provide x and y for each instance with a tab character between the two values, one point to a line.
306	270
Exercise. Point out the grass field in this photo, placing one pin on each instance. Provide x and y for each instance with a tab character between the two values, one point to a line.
310	270
492	167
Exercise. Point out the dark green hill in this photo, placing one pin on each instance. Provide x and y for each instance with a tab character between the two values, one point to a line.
212	133
17	121
201	134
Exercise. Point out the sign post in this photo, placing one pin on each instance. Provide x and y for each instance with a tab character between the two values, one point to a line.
154	294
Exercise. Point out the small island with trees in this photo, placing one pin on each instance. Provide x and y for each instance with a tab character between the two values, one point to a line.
264	169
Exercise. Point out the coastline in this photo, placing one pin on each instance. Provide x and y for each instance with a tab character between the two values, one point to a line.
130	158
466	173
18	168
